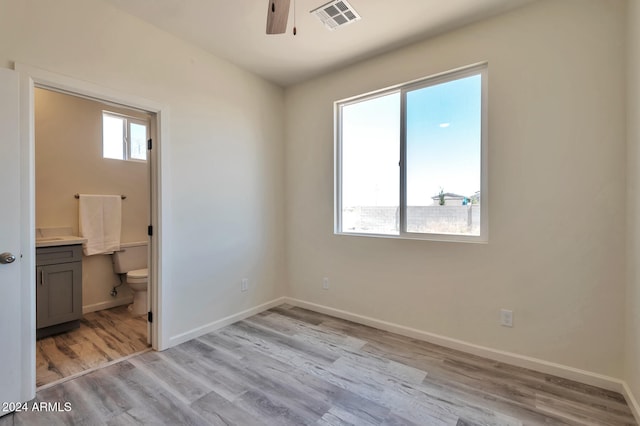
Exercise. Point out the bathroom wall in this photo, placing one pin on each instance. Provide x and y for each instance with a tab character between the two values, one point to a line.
69	161
556	147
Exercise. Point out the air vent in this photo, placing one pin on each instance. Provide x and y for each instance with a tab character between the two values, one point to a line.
336	13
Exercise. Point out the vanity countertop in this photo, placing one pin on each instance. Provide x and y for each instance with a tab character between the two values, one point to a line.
61	240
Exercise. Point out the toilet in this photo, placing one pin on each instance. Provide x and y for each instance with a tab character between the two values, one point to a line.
131	260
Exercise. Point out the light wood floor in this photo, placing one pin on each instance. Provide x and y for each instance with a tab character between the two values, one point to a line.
102	337
289	366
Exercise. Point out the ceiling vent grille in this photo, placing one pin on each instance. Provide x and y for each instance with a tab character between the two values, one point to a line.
336	13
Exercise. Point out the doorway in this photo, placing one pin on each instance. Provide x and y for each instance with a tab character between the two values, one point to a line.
30	78
87	312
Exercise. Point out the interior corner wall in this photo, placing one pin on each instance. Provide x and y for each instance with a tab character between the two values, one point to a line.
68	160
632	348
556	251
223	150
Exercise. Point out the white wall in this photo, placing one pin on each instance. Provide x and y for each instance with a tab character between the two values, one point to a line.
69	160
224	147
632	352
556	146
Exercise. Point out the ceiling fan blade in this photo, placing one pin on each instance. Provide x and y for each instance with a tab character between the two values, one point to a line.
277	16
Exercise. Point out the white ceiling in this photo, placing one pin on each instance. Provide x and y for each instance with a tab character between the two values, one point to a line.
235	30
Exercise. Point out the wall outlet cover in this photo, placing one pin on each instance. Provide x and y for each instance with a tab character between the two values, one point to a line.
325	283
506	318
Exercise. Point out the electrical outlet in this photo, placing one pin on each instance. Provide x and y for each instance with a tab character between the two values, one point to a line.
325	283
506	318
244	284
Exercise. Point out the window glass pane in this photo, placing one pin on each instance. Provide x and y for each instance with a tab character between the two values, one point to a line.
443	157
370	166
112	137
138	135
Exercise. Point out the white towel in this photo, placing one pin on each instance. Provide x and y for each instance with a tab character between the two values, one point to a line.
100	220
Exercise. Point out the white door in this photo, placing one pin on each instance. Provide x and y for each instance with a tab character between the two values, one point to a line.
10	291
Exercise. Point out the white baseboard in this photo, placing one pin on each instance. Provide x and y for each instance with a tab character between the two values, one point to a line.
212	326
632	401
523	361
107	305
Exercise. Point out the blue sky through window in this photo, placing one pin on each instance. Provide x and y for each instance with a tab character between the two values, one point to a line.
443	140
443	145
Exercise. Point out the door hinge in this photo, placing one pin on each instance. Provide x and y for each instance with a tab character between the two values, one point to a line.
150	316
149	144
150	230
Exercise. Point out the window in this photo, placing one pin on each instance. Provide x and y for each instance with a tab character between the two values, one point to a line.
411	160
124	137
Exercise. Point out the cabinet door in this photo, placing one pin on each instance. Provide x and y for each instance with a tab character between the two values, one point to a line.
59	294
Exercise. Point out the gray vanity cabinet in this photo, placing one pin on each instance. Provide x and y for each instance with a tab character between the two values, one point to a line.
58	289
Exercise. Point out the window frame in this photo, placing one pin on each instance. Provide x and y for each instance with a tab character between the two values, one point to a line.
126	143
404	88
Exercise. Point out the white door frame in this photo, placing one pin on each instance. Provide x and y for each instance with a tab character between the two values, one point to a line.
32	77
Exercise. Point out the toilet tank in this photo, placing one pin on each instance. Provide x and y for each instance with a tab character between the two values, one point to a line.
130	257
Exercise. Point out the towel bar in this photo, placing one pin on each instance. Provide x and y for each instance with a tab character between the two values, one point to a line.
77	196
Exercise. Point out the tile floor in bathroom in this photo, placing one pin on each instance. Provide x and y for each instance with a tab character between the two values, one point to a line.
102	337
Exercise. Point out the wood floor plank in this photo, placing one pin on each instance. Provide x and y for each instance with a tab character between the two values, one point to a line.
394	419
576	412
230	346
270	410
102	337
274	348
477	396
301	328
292	383
152	400
122	336
299	314
339	416
60	358
355	409
179	381
196	357
414	402
104	340
83	411
312	387
316	352
464	422
296	398
106	392
47	372
290	366
218	411
466	368
343	347
90	354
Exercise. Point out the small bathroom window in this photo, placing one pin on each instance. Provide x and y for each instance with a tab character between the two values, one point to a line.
124	137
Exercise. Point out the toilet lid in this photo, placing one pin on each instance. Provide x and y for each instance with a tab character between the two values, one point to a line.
138	273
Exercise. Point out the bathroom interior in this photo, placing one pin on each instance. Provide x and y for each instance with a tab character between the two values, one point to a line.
92	216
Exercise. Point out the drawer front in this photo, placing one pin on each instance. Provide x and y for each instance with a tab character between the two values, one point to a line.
60	254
